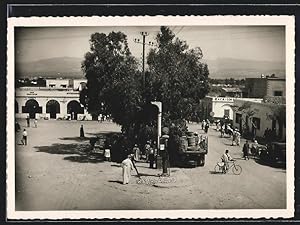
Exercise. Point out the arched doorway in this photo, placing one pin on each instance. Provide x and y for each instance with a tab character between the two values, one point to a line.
32	107
74	108
16	107
53	108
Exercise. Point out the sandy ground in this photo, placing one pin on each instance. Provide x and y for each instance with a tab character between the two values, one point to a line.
54	173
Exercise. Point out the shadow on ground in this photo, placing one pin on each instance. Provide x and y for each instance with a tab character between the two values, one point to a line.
279	165
214	172
115	181
103	133
148	175
79	139
81	152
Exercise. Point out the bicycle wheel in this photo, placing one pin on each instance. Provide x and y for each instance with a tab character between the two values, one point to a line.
218	169
236	169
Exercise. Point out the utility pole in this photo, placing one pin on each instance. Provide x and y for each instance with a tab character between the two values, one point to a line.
143	42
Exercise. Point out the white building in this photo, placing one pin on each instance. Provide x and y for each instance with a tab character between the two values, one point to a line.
39	102
258	116
217	107
57	83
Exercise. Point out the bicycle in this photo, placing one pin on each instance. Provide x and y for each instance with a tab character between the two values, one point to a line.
236	169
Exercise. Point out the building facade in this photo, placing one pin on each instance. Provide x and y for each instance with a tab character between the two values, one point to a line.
255	117
221	107
217	107
56	100
264	86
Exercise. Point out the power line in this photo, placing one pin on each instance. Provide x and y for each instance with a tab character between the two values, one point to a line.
143	42
180	30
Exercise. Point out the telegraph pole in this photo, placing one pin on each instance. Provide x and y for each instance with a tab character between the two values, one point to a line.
143	42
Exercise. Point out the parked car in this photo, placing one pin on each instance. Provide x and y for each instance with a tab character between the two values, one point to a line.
274	152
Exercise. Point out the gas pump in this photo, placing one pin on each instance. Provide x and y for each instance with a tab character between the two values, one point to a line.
164	153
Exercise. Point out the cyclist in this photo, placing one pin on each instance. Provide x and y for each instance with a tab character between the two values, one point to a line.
225	159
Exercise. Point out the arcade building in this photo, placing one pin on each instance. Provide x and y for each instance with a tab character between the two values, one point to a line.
58	100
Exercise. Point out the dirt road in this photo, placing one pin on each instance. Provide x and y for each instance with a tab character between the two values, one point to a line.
54	173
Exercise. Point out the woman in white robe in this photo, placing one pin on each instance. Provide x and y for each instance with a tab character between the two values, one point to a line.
127	166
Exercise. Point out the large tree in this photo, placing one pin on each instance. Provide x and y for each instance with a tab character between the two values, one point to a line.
177	76
113	83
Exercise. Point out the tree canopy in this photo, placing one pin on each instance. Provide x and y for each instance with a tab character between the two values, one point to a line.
175	76
112	75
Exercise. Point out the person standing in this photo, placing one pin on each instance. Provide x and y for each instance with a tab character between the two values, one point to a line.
35	123
81	131
246	150
24	139
203	124
136	152
206	127
151	157
28	121
233	137
107	154
147	148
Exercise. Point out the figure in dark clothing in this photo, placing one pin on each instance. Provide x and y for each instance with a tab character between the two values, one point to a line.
246	148
206	127
81	131
28	121
151	157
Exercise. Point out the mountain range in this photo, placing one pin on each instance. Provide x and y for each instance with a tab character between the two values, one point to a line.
70	67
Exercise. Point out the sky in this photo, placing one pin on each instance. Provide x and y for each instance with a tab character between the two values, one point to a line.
265	43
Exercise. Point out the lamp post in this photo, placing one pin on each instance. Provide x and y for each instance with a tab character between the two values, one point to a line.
159	106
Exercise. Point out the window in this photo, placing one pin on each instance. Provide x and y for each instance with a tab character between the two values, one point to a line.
256	121
226	112
63	85
238	117
51	85
277	93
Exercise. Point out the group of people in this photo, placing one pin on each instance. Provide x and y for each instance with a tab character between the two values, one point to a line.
24	139
28	122
149	151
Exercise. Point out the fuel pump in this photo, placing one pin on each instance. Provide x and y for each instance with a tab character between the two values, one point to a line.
164	153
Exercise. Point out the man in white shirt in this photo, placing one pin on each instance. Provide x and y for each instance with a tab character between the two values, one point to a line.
24	139
226	158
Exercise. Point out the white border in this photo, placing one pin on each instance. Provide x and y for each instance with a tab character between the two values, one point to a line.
287	21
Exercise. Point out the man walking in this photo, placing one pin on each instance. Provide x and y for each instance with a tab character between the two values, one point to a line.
24	139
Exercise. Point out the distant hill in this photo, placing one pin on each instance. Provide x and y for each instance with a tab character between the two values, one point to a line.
70	67
237	68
